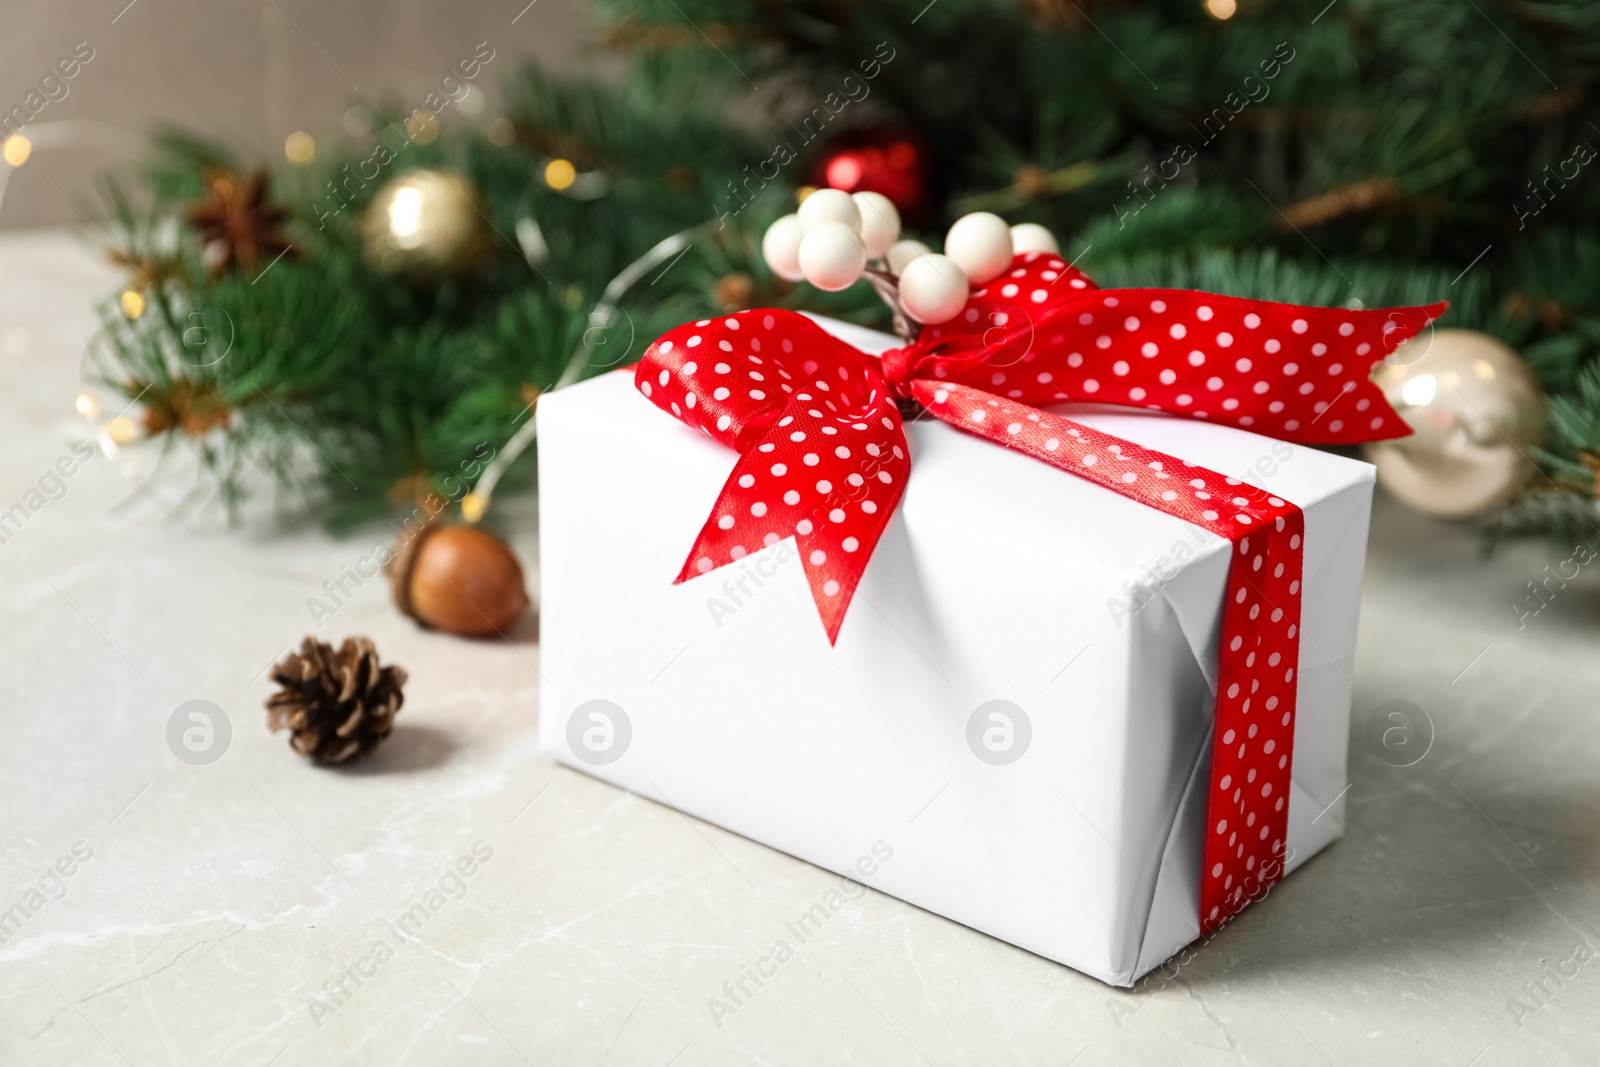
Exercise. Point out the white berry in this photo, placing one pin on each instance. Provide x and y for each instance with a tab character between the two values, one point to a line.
832	256
781	248
1031	237
902	253
880	222
980	244
829	205
933	288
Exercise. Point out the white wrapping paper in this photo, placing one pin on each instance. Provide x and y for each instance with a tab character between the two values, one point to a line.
1070	824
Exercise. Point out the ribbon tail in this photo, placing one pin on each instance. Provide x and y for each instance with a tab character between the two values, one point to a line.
828	479
1296	373
1247	818
1291	372
1252	754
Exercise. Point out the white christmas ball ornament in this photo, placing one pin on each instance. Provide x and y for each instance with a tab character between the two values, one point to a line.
829	205
1475	412
1031	237
832	256
781	248
933	289
980	244
901	253
880	222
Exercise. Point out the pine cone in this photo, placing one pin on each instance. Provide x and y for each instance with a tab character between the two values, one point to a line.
338	705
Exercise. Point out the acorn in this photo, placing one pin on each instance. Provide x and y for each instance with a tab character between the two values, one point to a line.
458	579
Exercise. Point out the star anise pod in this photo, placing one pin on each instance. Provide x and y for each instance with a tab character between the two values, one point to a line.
150	272
239	225
1592	461
196	408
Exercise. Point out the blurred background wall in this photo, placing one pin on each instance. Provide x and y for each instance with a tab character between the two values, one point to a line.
249	71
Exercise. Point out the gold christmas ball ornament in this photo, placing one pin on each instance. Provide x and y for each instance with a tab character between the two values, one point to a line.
426	223
1476	414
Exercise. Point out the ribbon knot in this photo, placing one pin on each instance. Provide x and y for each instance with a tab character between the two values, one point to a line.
896	365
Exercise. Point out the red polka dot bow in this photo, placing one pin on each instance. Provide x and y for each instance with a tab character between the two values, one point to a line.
823	458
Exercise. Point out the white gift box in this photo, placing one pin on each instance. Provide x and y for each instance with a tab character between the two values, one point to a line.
1068	817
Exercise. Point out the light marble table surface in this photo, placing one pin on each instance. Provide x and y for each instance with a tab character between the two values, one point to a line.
213	913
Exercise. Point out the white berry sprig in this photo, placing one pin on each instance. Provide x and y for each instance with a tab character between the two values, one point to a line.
836	238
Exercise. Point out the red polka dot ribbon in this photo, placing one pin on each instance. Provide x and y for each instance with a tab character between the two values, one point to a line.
823	459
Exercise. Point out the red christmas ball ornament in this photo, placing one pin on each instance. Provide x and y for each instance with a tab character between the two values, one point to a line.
880	160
